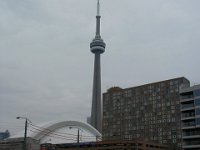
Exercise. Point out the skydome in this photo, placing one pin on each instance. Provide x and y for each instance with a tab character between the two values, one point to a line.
56	132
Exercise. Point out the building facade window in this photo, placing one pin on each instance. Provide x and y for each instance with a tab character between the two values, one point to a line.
198	111
197	93
197	102
198	121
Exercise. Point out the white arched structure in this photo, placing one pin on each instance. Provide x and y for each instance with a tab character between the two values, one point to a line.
48	129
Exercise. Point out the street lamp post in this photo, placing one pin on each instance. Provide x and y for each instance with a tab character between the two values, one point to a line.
25	130
78	134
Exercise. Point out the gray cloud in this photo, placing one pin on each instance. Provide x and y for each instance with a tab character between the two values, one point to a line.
46	65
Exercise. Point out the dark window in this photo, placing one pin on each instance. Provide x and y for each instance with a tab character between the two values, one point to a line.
198	111
197	93
197	102
198	121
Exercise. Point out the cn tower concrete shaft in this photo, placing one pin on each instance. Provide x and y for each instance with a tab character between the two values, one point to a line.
97	46
96	117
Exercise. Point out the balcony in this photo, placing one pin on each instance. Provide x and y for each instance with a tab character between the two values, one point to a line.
188	125
191	134
186	98
189	106
188	116
191	144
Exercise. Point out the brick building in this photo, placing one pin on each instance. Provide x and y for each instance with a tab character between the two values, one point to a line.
150	111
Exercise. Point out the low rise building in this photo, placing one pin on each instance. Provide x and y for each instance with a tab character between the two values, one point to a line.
4	135
17	144
136	144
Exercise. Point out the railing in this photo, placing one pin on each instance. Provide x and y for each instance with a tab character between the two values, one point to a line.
188	124
185	106
191	133
192	143
187	97
187	115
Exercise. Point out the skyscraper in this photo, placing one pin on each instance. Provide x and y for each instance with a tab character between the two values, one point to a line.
150	111
97	47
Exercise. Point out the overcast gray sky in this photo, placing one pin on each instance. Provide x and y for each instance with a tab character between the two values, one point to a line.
46	67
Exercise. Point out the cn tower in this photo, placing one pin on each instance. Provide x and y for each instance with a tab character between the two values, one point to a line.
97	47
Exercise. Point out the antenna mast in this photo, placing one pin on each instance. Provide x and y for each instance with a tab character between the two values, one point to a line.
98	8
98	21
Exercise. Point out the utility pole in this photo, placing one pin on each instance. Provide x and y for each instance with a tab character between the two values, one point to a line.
78	136
25	134
25	131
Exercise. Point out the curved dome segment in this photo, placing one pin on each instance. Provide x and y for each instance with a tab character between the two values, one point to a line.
55	126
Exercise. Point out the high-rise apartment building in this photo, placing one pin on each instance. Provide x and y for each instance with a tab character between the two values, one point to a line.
150	111
190	117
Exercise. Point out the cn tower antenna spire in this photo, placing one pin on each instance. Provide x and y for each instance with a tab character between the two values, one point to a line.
98	8
98	21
